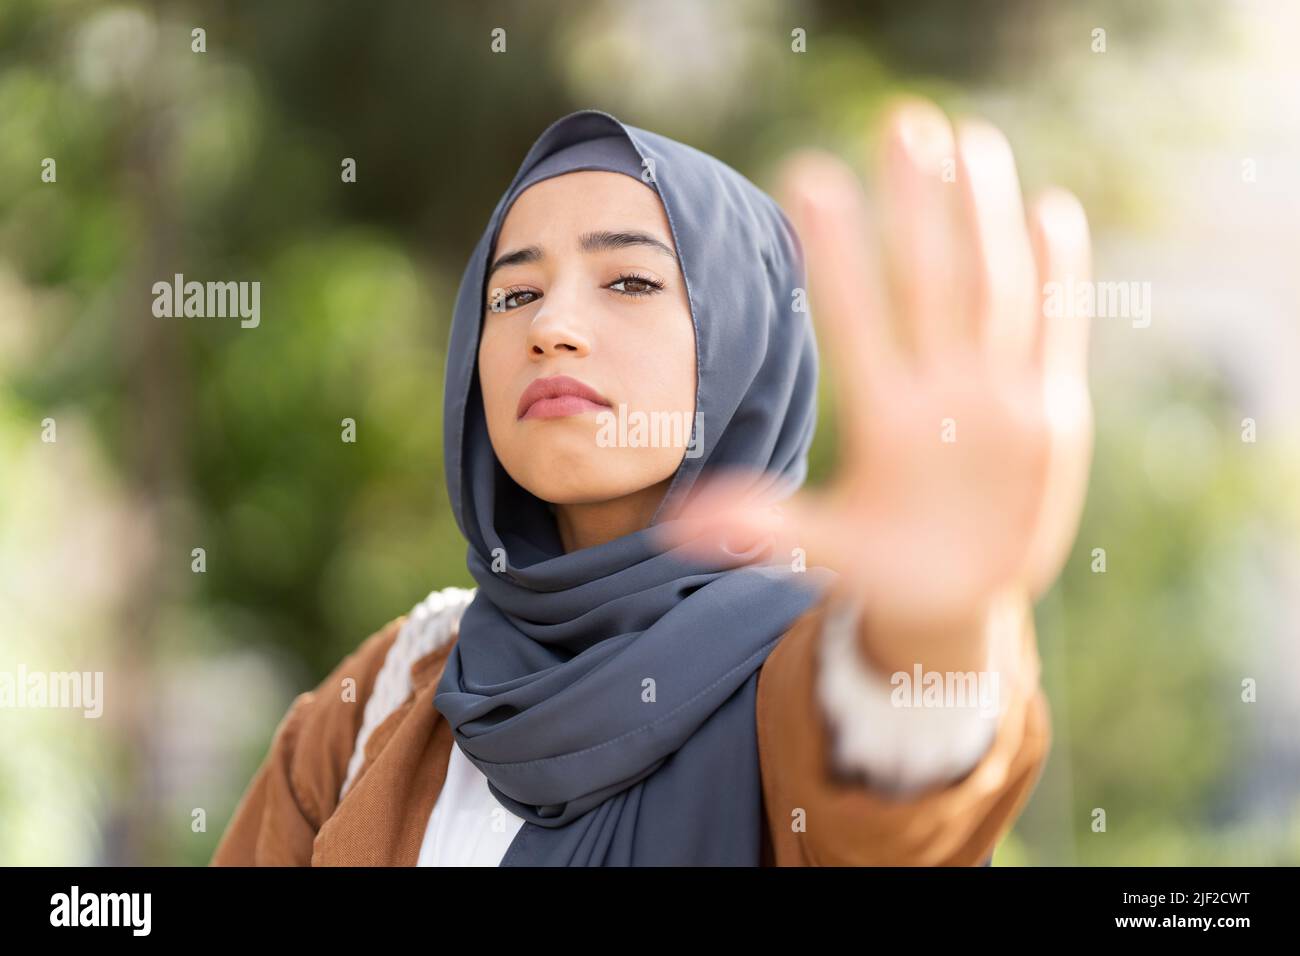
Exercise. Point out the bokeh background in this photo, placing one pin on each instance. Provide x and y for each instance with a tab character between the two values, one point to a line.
1182	138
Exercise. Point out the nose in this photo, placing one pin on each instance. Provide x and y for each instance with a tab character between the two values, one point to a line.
555	330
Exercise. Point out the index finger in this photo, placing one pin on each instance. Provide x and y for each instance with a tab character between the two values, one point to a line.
829	212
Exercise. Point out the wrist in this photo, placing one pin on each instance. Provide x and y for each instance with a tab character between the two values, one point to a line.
957	643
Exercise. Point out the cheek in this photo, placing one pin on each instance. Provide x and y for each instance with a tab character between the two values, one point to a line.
659	366
495	377
494	372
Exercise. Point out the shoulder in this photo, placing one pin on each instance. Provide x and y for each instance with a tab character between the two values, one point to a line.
301	780
369	672
331	723
399	654
428	627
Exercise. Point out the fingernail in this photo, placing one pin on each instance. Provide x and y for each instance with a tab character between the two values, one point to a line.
925	135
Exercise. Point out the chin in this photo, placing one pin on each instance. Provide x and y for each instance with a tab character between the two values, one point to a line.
576	484
585	482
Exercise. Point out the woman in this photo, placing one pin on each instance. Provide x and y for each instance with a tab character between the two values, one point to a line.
671	656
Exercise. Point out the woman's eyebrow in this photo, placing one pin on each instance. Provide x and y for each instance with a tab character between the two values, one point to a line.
601	241
517	257
589	242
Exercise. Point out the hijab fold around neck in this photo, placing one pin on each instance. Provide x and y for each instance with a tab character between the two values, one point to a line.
608	694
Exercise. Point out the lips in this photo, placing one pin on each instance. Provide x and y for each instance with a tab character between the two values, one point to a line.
557	396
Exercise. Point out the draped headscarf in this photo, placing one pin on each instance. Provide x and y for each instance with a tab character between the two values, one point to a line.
608	694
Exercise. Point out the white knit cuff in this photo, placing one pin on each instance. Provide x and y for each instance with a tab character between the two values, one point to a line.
903	737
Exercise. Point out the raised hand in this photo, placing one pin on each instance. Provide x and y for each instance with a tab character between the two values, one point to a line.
964	417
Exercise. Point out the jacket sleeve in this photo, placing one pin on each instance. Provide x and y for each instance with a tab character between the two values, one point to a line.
296	787
904	749
821	813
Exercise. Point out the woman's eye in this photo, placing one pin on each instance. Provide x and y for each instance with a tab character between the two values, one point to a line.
513	300
635	285
505	299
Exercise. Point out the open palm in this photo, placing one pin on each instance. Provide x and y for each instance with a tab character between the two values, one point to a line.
964	417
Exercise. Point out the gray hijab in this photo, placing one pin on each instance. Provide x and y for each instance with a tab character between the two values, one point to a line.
608	694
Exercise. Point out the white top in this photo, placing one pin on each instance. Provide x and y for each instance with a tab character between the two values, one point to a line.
468	826
902	749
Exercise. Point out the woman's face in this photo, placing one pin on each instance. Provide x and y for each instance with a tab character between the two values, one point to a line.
584	282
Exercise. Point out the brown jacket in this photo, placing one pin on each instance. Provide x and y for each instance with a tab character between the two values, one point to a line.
291	814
